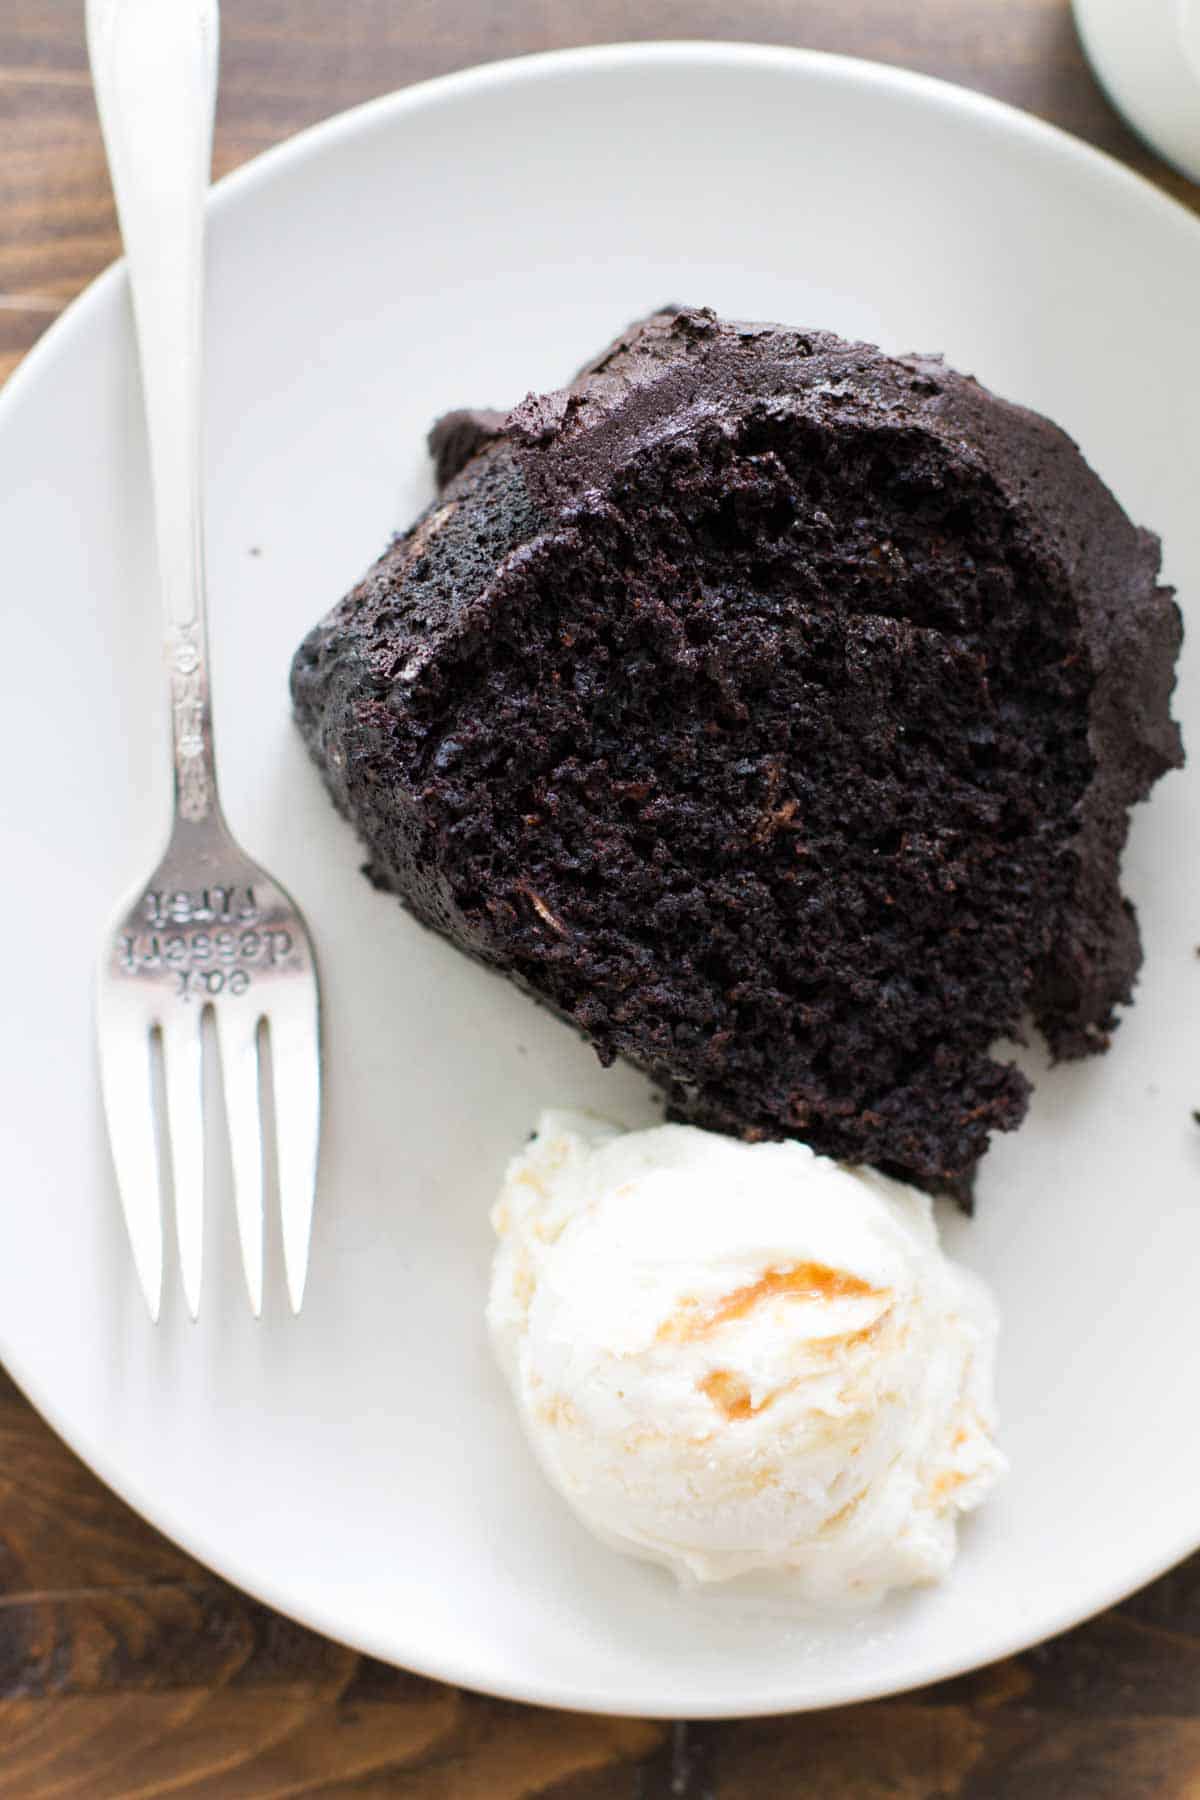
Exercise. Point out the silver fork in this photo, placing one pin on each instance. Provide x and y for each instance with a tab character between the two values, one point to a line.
210	934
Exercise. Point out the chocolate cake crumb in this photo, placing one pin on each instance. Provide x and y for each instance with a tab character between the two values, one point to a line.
771	709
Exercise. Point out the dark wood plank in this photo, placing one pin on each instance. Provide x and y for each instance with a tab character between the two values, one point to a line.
60	1528
217	1742
125	1667
22	322
287	63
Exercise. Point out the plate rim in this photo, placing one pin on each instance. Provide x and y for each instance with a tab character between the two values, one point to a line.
1004	119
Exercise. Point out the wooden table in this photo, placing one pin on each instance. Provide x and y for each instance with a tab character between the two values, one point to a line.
125	1668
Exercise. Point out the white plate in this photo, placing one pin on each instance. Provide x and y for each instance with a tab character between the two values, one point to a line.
360	1467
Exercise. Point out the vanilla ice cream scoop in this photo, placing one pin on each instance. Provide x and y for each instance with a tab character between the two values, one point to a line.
733	1358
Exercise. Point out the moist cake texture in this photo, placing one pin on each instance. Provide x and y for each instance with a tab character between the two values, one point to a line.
771	709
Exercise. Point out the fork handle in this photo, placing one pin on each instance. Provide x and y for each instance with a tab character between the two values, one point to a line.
154	67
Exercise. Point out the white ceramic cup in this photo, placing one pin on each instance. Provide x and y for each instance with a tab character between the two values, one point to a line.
1146	55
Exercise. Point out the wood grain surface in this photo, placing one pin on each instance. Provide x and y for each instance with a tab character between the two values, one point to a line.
127	1671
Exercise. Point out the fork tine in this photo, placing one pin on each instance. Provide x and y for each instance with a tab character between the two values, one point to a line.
237	1036
183	1078
125	1084
296	1079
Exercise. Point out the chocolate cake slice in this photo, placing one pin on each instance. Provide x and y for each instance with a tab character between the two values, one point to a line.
771	709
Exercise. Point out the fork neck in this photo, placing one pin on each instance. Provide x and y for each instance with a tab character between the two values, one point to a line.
190	703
